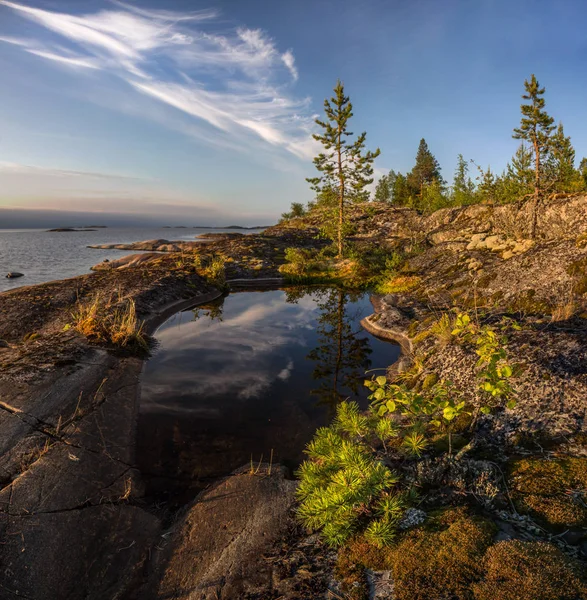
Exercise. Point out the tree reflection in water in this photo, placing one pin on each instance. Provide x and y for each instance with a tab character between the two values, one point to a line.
342	354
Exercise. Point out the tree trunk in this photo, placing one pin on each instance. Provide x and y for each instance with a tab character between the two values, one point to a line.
340	195
534	215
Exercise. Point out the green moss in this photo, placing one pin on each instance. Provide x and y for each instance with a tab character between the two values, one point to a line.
581	241
441	560
527	303
398	284
553	491
438	560
518	570
429	381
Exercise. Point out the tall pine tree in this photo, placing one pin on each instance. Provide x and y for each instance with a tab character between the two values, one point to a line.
536	126
426	171
344	166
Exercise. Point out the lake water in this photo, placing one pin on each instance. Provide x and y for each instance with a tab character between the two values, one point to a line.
45	256
256	373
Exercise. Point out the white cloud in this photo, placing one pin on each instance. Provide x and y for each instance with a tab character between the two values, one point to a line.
236	82
290	62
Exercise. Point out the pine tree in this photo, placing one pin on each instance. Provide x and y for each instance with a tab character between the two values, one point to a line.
400	192
382	191
536	126
463	188
560	166
583	171
425	171
517	180
344	166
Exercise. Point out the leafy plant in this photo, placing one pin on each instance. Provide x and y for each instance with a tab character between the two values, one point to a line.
436	408
494	369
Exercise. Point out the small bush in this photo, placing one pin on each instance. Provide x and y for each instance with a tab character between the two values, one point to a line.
532	570
301	260
212	268
344	489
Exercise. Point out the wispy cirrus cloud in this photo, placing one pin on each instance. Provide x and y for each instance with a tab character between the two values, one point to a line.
238	83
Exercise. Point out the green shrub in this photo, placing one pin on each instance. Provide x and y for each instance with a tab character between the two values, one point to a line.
344	488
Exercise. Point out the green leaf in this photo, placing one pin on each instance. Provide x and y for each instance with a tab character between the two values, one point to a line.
390	404
449	413
511	404
381	380
379	394
485	410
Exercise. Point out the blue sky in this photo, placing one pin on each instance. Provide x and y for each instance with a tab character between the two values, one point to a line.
184	109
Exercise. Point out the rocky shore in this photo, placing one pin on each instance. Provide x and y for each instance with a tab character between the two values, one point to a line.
73	521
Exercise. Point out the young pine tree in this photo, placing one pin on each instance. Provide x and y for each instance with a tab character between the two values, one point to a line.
382	191
344	166
463	188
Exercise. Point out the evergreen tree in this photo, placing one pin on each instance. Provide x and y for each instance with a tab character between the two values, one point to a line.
463	188
536	126
560	166
425	171
382	191
296	210
487	186
344	166
517	180
400	191
583	171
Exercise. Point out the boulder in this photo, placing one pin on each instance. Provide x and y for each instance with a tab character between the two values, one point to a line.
216	551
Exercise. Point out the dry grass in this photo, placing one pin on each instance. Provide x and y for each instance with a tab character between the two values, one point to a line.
116	324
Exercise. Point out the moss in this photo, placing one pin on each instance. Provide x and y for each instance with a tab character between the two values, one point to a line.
484	281
551	490
351	563
581	241
532	570
429	381
526	302
398	284
441	560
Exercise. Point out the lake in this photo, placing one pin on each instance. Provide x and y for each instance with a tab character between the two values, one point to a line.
248	377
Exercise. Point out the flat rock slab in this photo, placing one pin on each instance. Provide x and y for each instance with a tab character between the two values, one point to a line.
217	550
95	553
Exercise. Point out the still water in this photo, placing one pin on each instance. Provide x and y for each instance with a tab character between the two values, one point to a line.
255	373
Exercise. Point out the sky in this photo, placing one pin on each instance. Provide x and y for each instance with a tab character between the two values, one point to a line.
192	112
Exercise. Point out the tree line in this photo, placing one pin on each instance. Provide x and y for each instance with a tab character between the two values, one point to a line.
543	164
